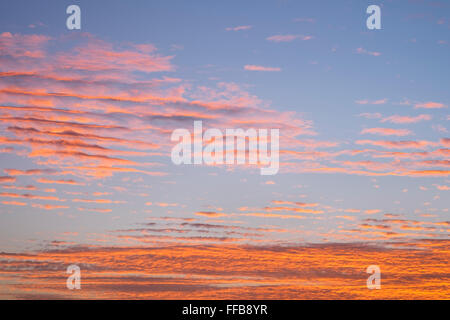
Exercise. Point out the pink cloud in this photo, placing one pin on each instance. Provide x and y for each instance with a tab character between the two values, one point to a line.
23	46
445	142
397	144
406	119
101	56
250	67
380	101
238	28
430	105
287	38
387	131
371	53
370	115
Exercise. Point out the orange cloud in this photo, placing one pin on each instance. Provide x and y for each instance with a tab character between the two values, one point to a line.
48	206
70	182
211	214
6	179
299	210
29	196
219	272
30	172
14	203
372	211
99	210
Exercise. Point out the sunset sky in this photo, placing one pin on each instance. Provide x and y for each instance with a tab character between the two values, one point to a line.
86	118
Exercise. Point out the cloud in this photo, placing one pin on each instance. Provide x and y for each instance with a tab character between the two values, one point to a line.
291	209
69	182
30	172
102	56
445	142
239	28
20	46
367	115
273	215
430	105
288	38
406	119
14	203
13	187
48	206
398	144
372	211
6	179
30	196
428	173
300	204
97	103
380	101
371	53
309	20
387	131
217	271
210	214
106	201
439	128
99	210
165	204
251	67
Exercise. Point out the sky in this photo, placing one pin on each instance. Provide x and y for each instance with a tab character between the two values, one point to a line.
86	118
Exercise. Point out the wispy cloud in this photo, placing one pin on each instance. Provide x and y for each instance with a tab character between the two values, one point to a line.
407	144
288	38
239	28
251	67
368	115
380	101
387	131
6	179
407	119
430	105
371	53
